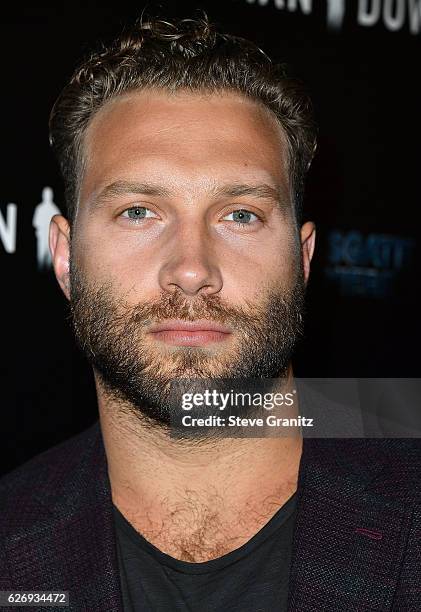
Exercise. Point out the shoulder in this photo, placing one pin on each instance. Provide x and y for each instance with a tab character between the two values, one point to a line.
25	492
389	466
358	450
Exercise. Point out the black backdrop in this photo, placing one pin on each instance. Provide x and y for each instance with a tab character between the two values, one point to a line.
363	193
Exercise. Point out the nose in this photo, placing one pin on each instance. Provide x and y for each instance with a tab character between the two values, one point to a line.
190	263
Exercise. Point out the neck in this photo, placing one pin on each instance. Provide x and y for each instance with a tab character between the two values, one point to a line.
163	485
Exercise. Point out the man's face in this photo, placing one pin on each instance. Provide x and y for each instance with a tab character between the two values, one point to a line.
185	256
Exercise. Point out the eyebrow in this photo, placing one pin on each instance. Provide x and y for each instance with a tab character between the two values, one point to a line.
263	191
122	187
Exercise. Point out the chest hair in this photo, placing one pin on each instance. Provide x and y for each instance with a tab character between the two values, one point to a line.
196	530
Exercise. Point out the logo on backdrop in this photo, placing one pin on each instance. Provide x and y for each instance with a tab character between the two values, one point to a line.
392	14
40	222
367	266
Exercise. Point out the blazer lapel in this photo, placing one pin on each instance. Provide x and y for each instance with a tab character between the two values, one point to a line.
73	548
350	532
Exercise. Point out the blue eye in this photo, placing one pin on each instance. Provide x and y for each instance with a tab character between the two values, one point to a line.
137	213
242	216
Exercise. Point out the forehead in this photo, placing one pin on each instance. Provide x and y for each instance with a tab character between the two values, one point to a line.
201	138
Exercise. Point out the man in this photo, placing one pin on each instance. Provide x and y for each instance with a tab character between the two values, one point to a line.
184	153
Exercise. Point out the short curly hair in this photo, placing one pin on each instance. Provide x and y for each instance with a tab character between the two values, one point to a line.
186	54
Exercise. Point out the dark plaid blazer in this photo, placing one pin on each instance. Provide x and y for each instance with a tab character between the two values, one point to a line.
357	539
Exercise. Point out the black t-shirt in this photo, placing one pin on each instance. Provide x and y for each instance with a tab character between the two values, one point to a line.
252	578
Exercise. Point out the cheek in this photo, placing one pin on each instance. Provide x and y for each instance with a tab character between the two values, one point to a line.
104	257
275	262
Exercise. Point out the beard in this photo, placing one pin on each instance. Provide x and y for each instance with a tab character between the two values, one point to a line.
138	374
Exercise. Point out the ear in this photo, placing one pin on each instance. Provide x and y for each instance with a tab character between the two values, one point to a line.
308	240
59	241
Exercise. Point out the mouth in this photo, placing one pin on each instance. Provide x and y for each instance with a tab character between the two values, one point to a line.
189	333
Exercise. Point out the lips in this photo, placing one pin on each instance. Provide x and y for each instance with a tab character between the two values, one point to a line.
189	333
200	325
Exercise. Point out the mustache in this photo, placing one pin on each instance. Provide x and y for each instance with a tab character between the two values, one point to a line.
173	306
93	299
176	306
